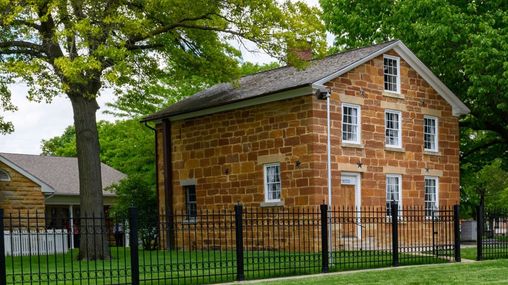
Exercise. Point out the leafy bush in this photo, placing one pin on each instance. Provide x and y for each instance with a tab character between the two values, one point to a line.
135	191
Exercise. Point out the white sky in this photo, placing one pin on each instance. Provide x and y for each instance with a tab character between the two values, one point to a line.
34	122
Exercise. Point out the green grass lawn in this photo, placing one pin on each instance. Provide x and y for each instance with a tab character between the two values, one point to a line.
196	267
485	272
489	253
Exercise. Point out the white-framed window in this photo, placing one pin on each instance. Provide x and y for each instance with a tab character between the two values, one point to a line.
430	133
272	182
393	192
392	73
4	176
190	202
431	195
393	128
351	123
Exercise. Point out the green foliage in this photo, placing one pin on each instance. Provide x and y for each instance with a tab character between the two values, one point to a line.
489	183
125	145
140	47
465	43
64	145
136	192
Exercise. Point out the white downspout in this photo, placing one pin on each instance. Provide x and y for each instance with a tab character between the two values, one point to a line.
321	89
329	170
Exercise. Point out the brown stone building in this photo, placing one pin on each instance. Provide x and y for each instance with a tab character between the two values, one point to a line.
46	185
262	142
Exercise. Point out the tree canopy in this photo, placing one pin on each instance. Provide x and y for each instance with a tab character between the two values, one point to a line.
465	43
79	47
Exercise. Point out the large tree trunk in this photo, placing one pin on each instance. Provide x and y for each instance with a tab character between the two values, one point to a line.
92	230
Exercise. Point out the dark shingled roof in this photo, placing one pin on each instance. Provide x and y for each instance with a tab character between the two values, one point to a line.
267	82
60	173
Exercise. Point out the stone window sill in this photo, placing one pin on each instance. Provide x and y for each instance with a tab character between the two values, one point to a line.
393	95
395	149
429	152
271	204
353	145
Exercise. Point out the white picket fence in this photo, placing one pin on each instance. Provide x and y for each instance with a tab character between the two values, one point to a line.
35	243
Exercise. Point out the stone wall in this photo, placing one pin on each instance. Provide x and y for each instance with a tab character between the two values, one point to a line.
364	86
20	196
224	154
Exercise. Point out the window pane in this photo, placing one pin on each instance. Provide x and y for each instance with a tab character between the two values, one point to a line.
273	184
350	124
392	192
430	134
430	196
392	129
391	74
190	201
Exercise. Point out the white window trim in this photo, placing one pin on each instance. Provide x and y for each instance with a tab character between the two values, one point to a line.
437	192
8	176
359	118
399	202
436	137
399	113
396	58
265	166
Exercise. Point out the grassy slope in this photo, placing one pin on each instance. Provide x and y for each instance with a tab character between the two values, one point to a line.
494	271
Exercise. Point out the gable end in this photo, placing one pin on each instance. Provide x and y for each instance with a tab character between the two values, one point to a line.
458	108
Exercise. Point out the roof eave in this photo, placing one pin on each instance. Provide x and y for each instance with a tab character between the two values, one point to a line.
301	90
45	188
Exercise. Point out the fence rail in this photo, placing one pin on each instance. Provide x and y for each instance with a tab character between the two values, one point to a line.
213	246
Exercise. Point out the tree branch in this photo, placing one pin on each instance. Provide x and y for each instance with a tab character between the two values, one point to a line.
28	24
21	44
22	47
487	144
164	29
144	47
23	52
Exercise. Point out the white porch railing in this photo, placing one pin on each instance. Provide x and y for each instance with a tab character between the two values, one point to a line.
34	243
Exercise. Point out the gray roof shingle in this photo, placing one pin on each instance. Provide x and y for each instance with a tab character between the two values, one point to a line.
60	173
267	82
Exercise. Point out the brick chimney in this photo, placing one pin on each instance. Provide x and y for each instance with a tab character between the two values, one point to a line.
302	52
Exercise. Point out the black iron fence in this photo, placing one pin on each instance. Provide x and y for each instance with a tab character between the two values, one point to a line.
492	233
214	246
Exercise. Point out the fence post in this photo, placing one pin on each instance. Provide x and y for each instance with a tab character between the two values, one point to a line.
324	239
395	233
240	276
133	243
479	233
3	270
456	232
